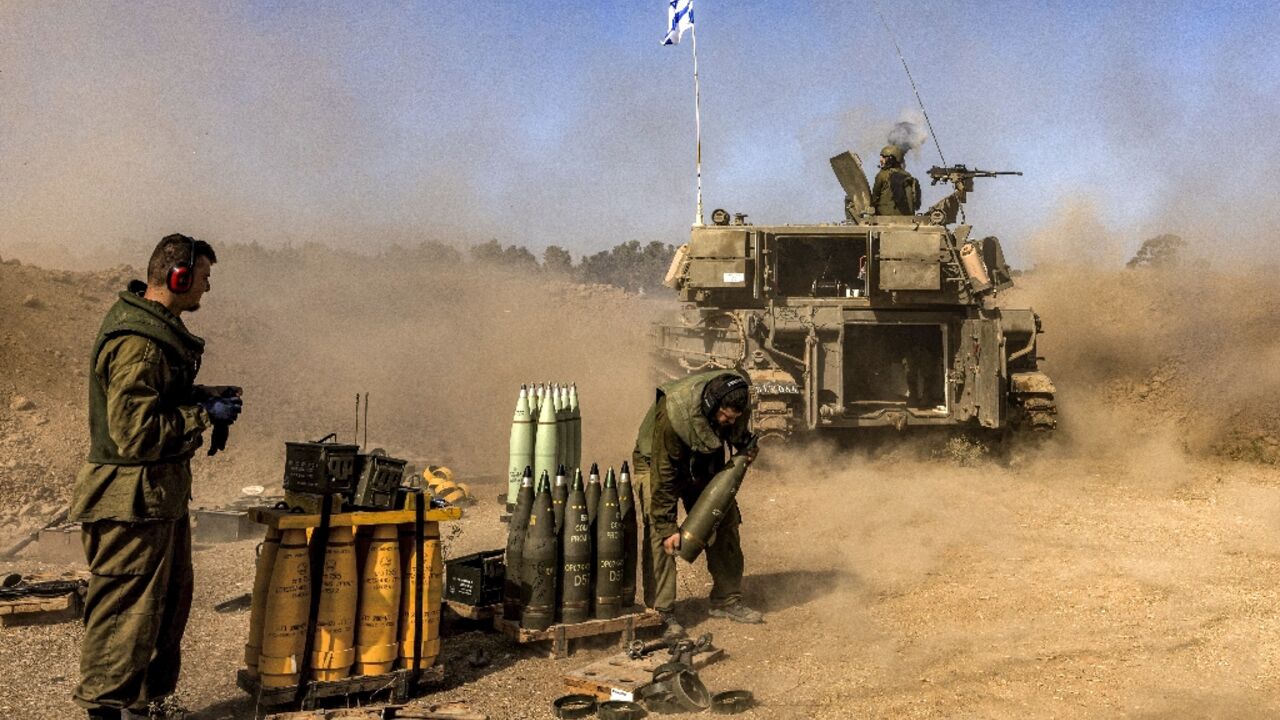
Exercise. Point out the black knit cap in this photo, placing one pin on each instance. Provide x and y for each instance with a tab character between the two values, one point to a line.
725	391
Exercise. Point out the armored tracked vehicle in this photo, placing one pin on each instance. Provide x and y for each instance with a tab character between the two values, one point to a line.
875	321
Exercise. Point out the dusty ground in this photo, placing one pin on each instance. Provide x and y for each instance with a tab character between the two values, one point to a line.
1128	568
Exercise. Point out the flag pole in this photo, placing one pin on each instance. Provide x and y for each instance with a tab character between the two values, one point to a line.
697	115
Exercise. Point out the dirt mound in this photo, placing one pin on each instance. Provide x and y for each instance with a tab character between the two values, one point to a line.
50	320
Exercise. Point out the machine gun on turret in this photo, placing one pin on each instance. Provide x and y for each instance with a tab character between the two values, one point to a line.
961	177
958	174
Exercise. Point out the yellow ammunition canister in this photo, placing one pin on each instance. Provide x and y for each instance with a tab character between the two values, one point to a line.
376	639
441	483
284	622
334	644
973	264
261	589
435	474
433	591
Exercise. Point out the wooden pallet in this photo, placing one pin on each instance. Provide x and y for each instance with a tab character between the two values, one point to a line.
472	612
560	635
395	682
618	677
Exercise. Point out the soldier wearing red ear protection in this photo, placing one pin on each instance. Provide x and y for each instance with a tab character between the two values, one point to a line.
147	418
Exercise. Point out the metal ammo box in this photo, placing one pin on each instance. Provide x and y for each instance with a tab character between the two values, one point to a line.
378	476
475	579
321	467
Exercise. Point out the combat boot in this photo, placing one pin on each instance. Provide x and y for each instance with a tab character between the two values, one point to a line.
737	611
671	627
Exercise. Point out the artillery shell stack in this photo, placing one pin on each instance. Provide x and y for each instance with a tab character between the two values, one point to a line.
546	433
568	560
363	629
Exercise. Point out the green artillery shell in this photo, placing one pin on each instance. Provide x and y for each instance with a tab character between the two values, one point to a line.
559	494
576	542
627	510
562	425
540	564
544	443
609	562
710	509
593	493
512	590
521	449
575	423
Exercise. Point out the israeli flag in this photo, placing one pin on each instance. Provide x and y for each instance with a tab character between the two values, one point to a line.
679	19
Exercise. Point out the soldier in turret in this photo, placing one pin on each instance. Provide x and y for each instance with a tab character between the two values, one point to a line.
896	191
680	447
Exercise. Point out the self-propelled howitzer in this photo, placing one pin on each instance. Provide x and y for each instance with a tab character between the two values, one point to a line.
879	320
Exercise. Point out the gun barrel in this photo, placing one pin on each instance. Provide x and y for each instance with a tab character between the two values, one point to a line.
956	173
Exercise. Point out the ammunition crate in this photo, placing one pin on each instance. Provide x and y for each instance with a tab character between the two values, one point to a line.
320	468
475	579
378	479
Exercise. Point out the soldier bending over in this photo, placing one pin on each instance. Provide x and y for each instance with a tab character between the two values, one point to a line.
681	445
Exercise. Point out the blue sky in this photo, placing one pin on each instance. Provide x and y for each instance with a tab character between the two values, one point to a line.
548	123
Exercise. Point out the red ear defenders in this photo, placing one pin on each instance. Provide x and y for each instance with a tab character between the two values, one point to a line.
183	275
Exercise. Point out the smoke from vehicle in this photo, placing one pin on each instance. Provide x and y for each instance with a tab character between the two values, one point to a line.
909	133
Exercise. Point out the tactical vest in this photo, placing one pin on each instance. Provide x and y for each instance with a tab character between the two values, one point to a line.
132	315
684	412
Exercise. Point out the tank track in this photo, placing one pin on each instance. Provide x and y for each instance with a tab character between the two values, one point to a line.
1037	412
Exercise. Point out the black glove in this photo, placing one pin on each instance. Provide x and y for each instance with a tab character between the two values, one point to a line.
218	438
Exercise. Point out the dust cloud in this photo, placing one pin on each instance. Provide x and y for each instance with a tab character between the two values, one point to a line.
440	345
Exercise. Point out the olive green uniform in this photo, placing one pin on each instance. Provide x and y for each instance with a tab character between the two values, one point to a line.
131	498
677	453
895	192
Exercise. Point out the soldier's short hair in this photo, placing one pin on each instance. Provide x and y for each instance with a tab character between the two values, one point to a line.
173	250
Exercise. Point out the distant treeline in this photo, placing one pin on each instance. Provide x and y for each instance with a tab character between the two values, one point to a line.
630	266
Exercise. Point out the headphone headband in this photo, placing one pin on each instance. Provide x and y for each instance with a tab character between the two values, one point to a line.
719	388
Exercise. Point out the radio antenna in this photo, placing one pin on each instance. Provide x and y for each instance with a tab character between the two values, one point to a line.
910	79
366	420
